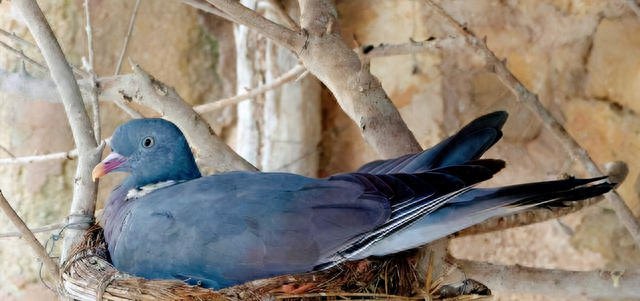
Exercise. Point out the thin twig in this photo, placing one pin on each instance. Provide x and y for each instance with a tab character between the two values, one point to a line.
6	150
47	228
129	110
22	41
28	236
89	153
18	39
533	103
284	36
223	103
89	67
24	57
280	12
126	38
206	7
633	5
32	159
590	284
383	50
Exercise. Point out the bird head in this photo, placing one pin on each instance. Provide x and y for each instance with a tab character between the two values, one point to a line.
152	151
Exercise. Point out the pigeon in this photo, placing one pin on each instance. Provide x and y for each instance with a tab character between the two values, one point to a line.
167	221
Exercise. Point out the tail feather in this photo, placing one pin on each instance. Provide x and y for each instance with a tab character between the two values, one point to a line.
431	194
457	215
466	145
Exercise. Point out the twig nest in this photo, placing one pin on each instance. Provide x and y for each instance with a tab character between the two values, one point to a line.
88	275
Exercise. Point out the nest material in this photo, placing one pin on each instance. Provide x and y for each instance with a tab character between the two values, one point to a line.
88	275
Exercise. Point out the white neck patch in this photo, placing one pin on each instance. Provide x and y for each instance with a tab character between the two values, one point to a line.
136	193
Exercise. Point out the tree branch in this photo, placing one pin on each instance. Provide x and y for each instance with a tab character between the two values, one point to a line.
33	242
89	67
383	50
591	284
24	57
31	159
290	75
47	228
347	75
212	154
126	38
247	17
326	56
207	7
20	40
531	101
89	154
282	15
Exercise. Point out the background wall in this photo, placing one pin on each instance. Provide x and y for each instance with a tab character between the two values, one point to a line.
579	56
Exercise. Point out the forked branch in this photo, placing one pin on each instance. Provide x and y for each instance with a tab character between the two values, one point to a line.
323	52
89	154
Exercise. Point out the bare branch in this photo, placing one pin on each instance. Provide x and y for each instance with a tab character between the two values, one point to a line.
206	7
47	228
89	67
284	36
280	12
17	39
591	284
320	47
6	150
358	92
531	101
32	159
24	57
383	50
21	41
290	75
33	242
212	153
126	38
89	154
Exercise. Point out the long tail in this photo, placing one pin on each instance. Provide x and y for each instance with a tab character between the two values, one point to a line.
432	194
480	204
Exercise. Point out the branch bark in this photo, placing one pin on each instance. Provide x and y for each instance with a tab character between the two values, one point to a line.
286	37
89	154
31	159
23	42
33	242
47	228
384	50
347	75
531	101
592	284
290	75
212	154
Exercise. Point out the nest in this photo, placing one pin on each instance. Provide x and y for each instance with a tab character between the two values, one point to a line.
88	275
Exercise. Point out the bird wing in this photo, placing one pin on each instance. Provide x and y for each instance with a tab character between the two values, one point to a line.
466	145
234	227
240	226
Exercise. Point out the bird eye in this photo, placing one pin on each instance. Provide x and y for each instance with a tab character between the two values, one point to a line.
147	142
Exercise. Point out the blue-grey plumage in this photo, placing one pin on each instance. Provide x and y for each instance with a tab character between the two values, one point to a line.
166	221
